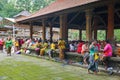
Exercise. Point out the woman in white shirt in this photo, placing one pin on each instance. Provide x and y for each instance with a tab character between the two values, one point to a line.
72	47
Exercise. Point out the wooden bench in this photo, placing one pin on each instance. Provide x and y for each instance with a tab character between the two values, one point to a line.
79	58
74	56
117	51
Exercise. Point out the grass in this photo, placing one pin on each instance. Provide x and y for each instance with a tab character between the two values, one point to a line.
29	68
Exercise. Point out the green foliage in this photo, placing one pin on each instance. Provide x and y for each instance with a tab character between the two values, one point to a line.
9	8
73	34
117	34
84	35
101	35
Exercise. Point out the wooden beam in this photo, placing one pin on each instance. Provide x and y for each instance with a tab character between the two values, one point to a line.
110	32
80	34
74	17
101	19
83	24
51	31
89	25
54	18
43	30
63	27
31	30
118	14
95	26
102	12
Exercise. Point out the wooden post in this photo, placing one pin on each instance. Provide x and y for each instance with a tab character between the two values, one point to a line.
95	27
106	34
51	31
31	30
110	32
63	27
88	25
80	34
95	34
43	30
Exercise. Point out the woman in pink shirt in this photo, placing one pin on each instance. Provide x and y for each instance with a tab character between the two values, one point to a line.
107	49
107	54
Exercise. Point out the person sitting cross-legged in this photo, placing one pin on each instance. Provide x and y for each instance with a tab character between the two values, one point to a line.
42	51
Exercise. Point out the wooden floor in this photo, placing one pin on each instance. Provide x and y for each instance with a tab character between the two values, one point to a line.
21	67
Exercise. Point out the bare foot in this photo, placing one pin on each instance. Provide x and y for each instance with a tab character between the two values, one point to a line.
95	73
88	71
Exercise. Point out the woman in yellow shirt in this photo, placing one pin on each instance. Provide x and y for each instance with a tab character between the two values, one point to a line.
16	44
42	51
52	50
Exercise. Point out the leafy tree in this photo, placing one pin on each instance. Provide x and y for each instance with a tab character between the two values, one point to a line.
117	34
32	5
9	8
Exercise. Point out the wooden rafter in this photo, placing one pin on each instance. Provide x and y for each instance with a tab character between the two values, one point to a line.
54	19
74	17
102	12
118	14
83	24
101	19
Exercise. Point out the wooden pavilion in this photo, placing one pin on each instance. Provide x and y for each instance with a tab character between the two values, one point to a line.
89	15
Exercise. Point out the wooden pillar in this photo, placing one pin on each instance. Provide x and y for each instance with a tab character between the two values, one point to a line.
63	27
43	30
88	25
51	32
80	34
31	30
95	27
110	28
106	34
95	34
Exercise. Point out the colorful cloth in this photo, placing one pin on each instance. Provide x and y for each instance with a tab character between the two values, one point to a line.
93	64
16	43
52	46
79	48
108	50
8	44
61	44
84	49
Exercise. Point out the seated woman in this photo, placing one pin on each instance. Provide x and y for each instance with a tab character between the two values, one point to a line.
52	50
72	47
37	47
42	51
107	53
85	51
79	48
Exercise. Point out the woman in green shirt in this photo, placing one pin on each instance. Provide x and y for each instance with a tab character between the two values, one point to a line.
8	45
